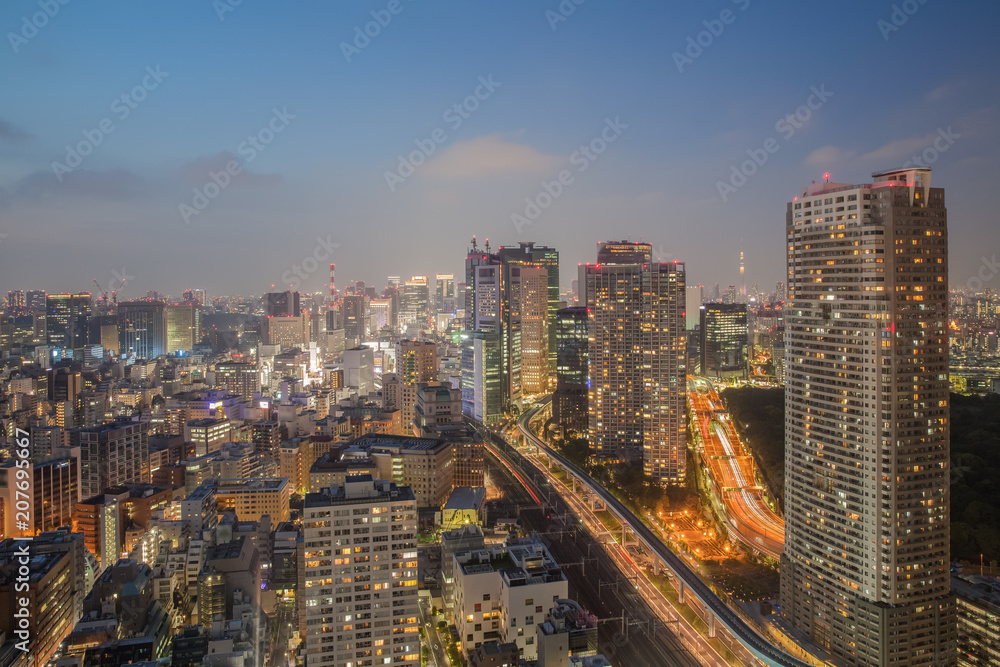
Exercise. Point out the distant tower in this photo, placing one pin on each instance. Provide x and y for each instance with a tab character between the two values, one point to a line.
333	289
743	282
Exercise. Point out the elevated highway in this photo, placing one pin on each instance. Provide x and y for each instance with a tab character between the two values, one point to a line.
687	581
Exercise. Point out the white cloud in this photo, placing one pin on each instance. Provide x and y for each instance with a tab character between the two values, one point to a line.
487	155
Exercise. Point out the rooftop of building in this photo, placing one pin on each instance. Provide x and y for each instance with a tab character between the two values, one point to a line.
207	421
402	442
976	588
359	489
237	484
466	498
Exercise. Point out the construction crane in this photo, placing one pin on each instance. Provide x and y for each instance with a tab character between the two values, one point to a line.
104	293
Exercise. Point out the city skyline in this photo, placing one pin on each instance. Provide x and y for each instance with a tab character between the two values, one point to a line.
322	174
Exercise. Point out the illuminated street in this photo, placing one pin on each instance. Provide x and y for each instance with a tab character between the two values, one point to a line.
731	468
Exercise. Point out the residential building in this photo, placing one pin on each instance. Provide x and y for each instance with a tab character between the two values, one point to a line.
637	359
364	609
865	571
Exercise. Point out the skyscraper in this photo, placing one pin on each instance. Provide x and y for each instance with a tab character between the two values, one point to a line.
534	309
66	319
415	301
569	401
444	290
724	339
282	304
865	572
416	362
527	252
352	309
183	327
111	454
638	359
142	329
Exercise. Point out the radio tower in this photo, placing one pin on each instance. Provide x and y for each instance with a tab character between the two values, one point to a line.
333	289
743	282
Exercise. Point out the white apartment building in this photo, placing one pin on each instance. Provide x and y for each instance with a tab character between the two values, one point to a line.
360	575
865	572
503	593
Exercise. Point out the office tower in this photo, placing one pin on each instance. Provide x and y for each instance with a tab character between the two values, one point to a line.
424	464
695	296
569	401
438	414
380	315
528	253
414	301
779	291
416	361
48	597
282	304
444	291
111	454
352	309
66	319
229	585
54	487
865	572
365	610
637	357
99	518
17	304
250	499
208	435
238	377
724	337
359	373
64	383
483	385
287	331
142	329
198	296
183	327
534	305
402	396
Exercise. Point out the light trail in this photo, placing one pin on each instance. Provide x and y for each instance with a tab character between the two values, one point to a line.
513	472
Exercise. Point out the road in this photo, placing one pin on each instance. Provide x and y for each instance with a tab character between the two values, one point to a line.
731	466
433	639
729	619
601	584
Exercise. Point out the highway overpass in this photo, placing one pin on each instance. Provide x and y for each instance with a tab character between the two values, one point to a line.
687	580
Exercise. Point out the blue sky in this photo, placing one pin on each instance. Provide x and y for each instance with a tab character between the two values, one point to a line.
889	90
